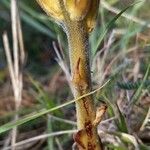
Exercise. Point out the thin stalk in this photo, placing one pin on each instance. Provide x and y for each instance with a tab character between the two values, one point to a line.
87	136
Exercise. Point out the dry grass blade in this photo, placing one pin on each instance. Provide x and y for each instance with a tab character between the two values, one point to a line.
15	64
43	136
63	65
146	120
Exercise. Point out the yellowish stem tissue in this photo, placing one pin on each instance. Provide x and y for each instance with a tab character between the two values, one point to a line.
79	18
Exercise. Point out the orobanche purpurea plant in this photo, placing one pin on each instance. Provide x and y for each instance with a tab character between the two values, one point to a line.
78	17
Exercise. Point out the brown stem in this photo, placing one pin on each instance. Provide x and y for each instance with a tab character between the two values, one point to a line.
87	137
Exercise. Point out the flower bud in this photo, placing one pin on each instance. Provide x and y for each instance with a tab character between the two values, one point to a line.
85	10
52	8
77	9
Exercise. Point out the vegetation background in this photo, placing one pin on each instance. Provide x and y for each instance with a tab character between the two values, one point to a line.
122	54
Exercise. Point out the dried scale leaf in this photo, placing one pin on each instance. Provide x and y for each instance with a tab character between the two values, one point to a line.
99	114
92	14
52	8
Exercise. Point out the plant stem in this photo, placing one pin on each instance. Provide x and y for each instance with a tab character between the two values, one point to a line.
87	136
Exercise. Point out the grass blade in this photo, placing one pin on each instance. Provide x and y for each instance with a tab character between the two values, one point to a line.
35	115
137	94
109	25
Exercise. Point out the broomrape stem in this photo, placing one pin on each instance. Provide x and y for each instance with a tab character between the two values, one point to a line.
78	17
79	61
87	136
